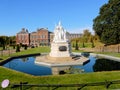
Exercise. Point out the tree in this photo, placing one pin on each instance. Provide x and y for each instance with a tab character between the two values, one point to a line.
106	65
107	24
4	41
73	45
92	43
86	35
76	45
12	40
96	38
83	45
25	47
18	48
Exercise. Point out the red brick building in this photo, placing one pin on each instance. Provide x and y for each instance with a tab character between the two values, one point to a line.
40	37
23	37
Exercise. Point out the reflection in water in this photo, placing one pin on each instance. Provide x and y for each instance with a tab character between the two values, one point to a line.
106	65
73	70
27	65
66	70
89	66
25	59
85	54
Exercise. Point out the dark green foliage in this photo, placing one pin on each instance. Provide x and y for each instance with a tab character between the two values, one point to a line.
92	44
12	40
21	45
3	47
3	41
107	23
86	35
83	45
18	48
106	65
76	45
73	45
13	46
25	47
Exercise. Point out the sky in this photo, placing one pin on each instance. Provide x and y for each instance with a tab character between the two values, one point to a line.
75	15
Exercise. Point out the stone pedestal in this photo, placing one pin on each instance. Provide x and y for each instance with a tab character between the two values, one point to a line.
60	49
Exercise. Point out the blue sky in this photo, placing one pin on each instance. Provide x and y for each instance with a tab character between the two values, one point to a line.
75	15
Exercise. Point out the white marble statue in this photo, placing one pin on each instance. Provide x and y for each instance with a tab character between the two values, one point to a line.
59	34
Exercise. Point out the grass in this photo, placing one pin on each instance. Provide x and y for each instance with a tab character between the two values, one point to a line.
16	77
43	49
1	48
109	53
86	45
28	51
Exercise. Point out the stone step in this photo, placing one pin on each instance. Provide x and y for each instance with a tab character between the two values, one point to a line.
77	58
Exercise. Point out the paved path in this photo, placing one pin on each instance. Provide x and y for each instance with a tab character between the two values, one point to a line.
105	56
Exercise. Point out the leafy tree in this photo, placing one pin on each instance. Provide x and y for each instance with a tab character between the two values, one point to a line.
76	45
92	44
107	23
25	47
12	40
18	48
106	65
4	41
86	35
96	38
73	45
83	45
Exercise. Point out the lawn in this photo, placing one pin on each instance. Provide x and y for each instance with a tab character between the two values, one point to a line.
17	77
28	51
109	53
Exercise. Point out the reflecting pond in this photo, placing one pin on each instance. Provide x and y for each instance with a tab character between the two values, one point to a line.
27	65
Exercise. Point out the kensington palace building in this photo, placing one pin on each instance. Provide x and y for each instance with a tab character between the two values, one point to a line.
41	37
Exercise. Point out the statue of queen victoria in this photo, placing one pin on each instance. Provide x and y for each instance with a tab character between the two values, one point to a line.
59	34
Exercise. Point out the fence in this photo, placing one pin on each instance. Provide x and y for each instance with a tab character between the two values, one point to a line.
55	86
109	48
6	52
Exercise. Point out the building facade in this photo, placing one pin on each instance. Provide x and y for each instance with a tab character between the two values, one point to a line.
23	37
74	35
33	39
71	36
39	38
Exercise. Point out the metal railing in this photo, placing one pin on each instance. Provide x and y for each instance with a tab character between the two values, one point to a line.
55	86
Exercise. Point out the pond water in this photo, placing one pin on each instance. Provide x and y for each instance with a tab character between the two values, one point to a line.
27	65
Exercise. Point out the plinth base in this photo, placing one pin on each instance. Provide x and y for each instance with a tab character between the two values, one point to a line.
59	64
60	49
46	60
